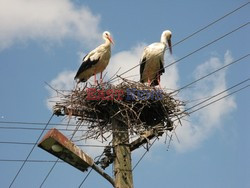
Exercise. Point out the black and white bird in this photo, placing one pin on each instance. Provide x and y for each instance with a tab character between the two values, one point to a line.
152	61
95	61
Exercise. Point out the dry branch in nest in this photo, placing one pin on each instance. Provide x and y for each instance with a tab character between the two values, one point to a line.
138	106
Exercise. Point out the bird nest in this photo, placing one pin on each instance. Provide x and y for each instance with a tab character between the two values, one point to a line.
136	105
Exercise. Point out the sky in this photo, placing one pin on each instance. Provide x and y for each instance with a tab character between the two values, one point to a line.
44	41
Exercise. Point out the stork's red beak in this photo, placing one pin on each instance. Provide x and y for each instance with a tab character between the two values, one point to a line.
111	40
170	46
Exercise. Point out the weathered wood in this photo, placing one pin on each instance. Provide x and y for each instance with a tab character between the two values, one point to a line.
122	162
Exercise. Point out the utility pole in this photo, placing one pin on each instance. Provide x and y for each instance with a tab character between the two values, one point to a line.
122	161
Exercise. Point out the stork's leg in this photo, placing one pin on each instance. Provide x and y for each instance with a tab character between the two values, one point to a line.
77	85
149	81
101	78
158	79
95	81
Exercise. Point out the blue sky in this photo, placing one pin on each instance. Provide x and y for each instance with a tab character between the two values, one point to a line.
44	41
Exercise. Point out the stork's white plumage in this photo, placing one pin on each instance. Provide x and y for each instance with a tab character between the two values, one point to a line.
96	61
152	61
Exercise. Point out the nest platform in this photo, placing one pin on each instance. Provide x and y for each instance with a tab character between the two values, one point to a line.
136	105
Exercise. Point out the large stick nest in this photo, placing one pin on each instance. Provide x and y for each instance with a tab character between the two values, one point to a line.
138	106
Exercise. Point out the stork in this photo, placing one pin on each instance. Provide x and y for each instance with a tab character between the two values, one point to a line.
152	61
95	61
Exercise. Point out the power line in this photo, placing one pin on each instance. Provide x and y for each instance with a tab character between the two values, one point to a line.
85	178
36	123
191	35
31	151
219	99
242	82
36	129
195	51
33	143
195	81
143	155
212	23
51	169
30	161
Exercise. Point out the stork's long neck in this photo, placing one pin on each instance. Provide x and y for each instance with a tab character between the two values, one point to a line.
107	42
163	40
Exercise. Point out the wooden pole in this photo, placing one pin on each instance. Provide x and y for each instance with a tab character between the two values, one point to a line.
122	162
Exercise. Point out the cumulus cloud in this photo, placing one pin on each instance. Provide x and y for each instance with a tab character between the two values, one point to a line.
204	122
63	82
23	20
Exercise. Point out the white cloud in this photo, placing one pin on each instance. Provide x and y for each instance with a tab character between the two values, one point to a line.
204	122
64	81
23	20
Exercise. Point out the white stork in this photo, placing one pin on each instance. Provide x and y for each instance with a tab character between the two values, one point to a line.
152	61
95	61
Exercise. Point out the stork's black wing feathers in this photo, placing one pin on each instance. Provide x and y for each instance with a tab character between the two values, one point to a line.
162	69
142	66
86	64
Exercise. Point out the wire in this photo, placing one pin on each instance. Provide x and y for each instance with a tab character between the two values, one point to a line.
244	81
36	123
195	81
218	99
36	129
51	169
195	51
212	23
191	35
85	178
30	161
20	169
33	143
143	155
